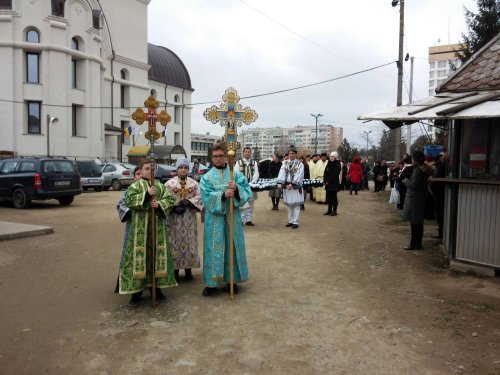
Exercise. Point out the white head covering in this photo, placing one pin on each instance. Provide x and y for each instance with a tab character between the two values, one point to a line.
182	162
335	154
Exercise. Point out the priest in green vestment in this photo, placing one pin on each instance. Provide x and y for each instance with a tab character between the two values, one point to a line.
136	264
216	191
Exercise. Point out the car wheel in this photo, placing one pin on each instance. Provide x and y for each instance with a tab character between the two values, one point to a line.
66	201
116	185
19	199
99	188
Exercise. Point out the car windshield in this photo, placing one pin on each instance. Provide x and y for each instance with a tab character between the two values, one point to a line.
89	167
58	166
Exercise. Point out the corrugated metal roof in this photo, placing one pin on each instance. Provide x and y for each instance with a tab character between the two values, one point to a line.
167	67
447	105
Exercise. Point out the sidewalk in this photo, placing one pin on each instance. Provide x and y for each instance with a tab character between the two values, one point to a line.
10	231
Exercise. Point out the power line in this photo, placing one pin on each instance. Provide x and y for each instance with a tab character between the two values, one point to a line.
297	34
218	101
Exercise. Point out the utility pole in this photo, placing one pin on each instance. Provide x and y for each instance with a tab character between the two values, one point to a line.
410	100
316	142
399	101
367	134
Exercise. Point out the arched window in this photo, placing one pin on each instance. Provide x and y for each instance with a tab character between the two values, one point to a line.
32	58
177	98
153	93
74	44
124	74
32	36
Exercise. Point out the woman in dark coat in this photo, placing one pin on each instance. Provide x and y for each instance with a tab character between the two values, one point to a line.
331	178
414	206
273	171
404	174
377	171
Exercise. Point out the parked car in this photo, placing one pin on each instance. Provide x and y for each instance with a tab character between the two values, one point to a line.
202	169
91	175
165	172
34	178
117	175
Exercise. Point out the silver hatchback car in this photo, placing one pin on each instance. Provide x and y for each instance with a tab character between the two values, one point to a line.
117	175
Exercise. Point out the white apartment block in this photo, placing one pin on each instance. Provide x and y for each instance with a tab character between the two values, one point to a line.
80	62
270	140
440	58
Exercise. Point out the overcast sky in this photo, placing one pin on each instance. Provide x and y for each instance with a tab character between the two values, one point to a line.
261	46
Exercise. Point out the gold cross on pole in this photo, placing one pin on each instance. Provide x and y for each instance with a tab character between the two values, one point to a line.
152	135
231	115
152	117
183	189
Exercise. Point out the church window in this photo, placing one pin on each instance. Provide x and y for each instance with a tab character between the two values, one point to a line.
32	67
32	36
177	98
5	4
74	65
177	138
58	7
34	118
177	114
153	93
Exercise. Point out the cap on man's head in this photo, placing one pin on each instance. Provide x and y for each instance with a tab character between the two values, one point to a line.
182	162
334	154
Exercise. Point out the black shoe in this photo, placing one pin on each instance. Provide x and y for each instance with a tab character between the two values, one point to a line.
412	247
295	226
302	208
160	297
188	275
207	292
356	193
333	214
176	274
235	288
135	299
289	225
327	213
250	224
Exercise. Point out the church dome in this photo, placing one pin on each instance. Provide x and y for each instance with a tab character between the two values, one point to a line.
167	67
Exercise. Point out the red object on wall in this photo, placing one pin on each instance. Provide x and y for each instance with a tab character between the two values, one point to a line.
477	158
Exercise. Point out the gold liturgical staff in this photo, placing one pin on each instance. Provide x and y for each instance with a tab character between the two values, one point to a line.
230	114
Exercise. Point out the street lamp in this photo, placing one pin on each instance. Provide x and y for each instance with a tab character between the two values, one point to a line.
367	134
316	143
50	120
399	101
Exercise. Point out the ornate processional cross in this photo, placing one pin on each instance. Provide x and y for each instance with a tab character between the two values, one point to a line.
231	115
183	190
152	117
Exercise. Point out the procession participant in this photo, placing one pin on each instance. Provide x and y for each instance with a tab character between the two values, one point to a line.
332	181
313	173
125	214
311	162
320	170
183	230
274	169
136	267
290	180
216	191
248	168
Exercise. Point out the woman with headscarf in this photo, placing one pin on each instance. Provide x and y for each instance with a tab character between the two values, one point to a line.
332	181
414	204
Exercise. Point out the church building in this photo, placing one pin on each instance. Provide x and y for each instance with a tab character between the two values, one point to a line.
73	72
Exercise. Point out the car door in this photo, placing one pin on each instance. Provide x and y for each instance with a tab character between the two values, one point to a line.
7	177
108	172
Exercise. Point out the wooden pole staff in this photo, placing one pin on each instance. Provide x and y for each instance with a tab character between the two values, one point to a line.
153	229
230	158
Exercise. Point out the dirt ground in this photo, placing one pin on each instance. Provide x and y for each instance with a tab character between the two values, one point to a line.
336	296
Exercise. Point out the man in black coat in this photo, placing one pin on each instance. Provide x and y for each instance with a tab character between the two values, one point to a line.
331	179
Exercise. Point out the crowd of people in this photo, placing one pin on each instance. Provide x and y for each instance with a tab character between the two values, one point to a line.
177	202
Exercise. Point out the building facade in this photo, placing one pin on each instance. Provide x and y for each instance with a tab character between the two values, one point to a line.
270	140
201	144
440	58
72	78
